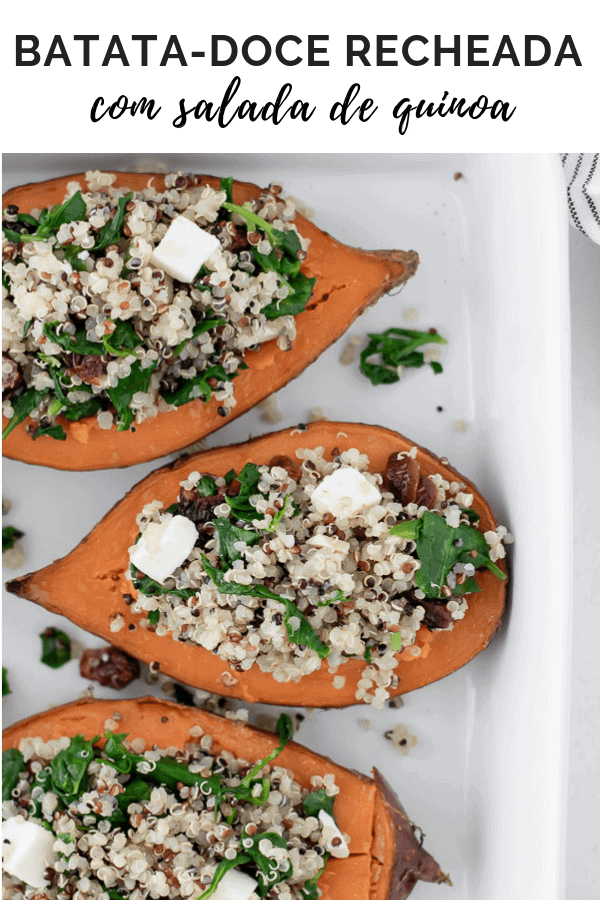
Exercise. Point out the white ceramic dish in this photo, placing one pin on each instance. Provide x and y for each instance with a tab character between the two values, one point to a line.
485	779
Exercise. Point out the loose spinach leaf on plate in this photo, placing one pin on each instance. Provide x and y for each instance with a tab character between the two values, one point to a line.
23	405
5	685
10	534
13	764
56	648
440	547
303	633
396	347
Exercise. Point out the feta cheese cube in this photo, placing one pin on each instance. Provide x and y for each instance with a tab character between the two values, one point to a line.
184	248
164	546
333	839
345	493
27	850
235	885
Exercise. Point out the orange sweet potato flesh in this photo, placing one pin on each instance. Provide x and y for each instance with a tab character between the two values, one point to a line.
386	859
87	586
348	281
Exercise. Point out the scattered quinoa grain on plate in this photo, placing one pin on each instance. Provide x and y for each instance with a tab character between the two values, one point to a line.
306	562
121	304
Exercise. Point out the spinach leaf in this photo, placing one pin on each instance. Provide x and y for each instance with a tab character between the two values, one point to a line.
122	393
69	768
300	293
83	410
73	343
221	871
72	210
26	219
397	347
54	431
168	771
150	588
316	801
16	237
285	730
227	186
199	328
56	648
9	536
23	405
13	764
396	642
185	390
72	255
123	340
153	616
206	487
111	232
26	327
310	889
338	597
280	513
5	685
249	479
229	534
440	547
41	785
287	241
303	633
267	871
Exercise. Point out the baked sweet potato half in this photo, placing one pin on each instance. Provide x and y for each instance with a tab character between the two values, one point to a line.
348	280
386	859
91	586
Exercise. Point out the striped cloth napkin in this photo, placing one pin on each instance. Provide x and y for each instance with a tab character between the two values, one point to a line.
582	176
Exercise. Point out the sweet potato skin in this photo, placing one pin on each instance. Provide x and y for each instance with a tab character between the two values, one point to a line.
88	585
348	281
382	844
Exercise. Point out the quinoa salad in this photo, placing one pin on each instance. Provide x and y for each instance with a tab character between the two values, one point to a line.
136	822
312	561
121	304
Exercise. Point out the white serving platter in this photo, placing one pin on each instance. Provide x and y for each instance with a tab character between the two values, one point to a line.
485	780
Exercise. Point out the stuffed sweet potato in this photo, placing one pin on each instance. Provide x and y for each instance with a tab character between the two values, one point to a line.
117	359
359	842
280	598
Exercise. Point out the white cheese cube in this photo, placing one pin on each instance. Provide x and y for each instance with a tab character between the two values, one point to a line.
235	885
345	493
184	248
333	839
164	546
27	850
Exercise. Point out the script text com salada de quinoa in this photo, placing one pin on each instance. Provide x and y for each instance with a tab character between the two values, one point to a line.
149	50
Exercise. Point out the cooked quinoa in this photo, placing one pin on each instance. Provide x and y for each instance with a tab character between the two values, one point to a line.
92	326
169	842
309	588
